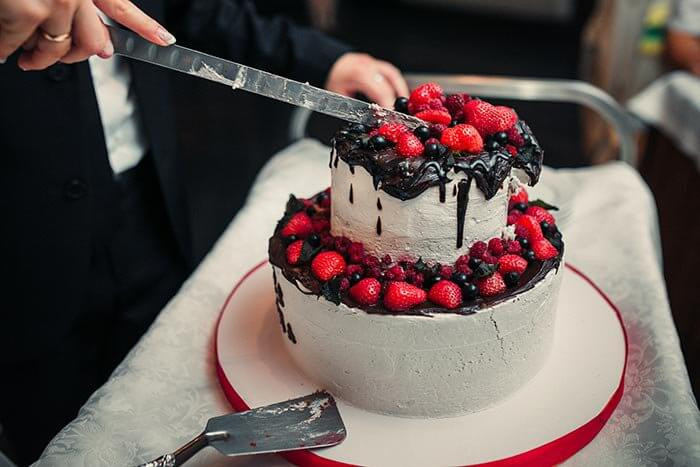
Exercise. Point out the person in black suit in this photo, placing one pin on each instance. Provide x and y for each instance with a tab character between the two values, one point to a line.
94	237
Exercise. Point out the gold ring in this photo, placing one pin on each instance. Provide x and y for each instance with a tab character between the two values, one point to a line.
58	38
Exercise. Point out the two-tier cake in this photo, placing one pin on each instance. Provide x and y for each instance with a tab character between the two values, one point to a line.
424	282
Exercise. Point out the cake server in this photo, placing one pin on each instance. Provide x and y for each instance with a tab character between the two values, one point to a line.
249	79
311	421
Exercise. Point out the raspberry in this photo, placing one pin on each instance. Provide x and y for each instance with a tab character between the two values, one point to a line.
415	107
491	285
436	129
543	249
366	291
324	199
496	246
463	259
411	275
396	273
374	271
514	136
463	268
327	240
520	196
409	145
445	293
370	261
344	284
455	103
531	226
356	252
299	224
402	296
445	272
341	244
294	251
354	268
513	247
477	250
511	263
386	260
418	280
392	131
489	119
541	214
462	137
328	264
432	141
489	258
425	93
320	225
435	116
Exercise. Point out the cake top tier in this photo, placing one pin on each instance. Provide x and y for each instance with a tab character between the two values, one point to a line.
461	134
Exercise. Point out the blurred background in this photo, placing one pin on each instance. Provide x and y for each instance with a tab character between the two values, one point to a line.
617	45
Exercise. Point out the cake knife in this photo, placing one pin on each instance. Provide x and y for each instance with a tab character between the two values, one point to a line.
250	79
312	421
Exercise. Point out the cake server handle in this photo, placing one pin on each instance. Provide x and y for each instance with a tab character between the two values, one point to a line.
182	454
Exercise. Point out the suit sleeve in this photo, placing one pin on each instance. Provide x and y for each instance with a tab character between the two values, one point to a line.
233	29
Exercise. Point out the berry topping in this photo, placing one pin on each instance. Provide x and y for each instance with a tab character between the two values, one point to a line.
543	249
409	145
520	196
445	293
294	251
462	137
541	214
511	263
402	296
314	239
401	105
455	104
513	247
496	246
521	207
435	116
478	249
511	279
531	227
299	224
491	285
514	136
425	93
469	291
378	142
513	217
396	273
328	264
512	150
356	252
392	131
436	130
366	291
354	269
321	225
489	119
422	132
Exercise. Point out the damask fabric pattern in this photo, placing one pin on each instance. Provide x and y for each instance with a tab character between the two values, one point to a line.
166	389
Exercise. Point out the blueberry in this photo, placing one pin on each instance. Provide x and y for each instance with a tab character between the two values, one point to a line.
511	279
401	105
422	132
545	226
432	150
529	255
378	142
491	145
501	137
469	291
460	278
358	128
314	239
431	280
311	210
522	207
291	239
454	122
355	277
524	242
474	263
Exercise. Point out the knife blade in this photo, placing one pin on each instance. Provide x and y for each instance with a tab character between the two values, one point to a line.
237	76
307	422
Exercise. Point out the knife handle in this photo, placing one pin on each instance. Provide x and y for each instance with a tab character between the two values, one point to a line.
181	455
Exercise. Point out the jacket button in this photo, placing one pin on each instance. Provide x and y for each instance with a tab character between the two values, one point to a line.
75	189
58	72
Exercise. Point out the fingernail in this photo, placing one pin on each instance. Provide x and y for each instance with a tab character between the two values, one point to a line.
165	36
2	61
108	50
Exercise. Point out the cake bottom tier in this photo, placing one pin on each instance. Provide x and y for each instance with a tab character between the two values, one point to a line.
420	366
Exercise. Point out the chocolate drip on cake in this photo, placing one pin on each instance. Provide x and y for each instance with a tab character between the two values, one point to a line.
379	225
462	202
442	192
454	190
351	197
379	204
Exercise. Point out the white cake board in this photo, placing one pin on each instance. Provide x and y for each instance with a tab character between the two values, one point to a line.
545	422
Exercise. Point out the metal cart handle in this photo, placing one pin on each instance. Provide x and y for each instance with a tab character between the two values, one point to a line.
526	89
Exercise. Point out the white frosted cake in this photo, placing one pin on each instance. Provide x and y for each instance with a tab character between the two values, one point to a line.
424	282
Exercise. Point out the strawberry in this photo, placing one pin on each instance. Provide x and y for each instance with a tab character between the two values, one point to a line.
366	291
299	224
426	92
409	145
392	131
328	264
435	116
489	119
491	285
445	293
511	263
513	216
294	251
402	296
520	196
541	214
462	138
543	249
531	227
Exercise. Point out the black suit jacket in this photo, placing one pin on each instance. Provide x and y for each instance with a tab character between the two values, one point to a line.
54	168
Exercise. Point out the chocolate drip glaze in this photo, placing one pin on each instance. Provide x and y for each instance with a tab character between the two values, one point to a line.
379	225
462	202
351	198
442	192
407	178
379	204
454	190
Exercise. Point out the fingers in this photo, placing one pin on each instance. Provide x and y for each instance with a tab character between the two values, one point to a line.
90	36
126	13
47	52
378	89
18	24
394	76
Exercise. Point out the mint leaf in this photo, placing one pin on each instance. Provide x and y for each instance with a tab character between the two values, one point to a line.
542	204
308	251
484	269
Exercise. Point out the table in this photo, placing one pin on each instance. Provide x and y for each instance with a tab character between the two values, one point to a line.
166	388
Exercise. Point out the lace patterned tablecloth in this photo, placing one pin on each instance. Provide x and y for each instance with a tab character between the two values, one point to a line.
166	389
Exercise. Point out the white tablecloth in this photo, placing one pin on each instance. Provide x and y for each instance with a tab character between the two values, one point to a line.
166	389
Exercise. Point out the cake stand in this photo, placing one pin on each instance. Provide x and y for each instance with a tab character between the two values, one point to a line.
552	417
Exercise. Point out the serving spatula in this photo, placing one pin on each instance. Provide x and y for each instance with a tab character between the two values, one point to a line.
238	76
307	422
